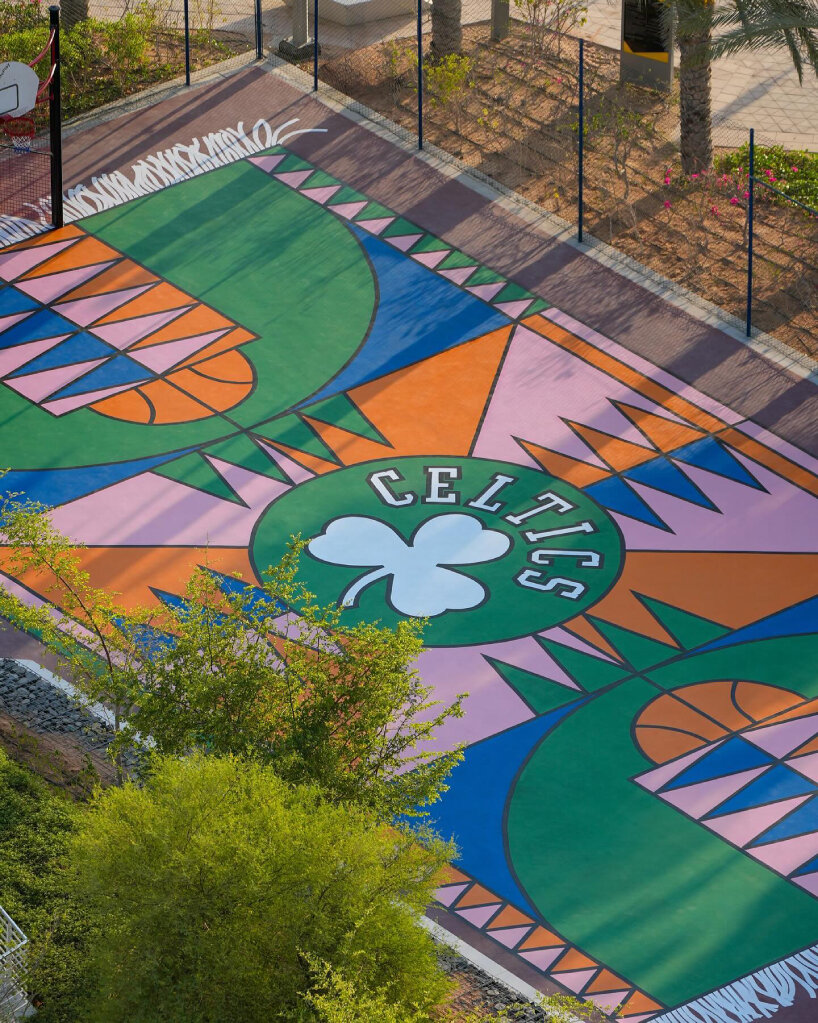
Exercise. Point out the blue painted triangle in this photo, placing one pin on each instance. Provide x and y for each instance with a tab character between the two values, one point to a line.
663	475
14	301
778	783
39	325
615	495
802	820
120	370
798	620
74	349
147	638
710	454
732	756
808	868
236	587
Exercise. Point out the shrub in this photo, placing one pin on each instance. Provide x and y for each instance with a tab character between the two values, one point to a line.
795	173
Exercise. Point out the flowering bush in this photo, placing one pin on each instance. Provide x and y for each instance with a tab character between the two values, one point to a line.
793	173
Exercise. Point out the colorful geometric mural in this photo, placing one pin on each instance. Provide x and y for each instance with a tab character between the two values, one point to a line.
619	570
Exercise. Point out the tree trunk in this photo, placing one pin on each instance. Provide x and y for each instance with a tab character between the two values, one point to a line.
694	96
72	12
447	27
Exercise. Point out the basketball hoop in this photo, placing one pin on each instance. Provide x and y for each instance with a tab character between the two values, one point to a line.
21	131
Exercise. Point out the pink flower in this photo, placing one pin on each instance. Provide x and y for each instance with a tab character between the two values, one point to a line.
694	175
667	204
714	210
734	201
794	169
667	181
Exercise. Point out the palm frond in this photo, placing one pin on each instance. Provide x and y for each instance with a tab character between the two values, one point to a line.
764	25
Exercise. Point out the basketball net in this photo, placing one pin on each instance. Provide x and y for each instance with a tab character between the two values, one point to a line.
20	130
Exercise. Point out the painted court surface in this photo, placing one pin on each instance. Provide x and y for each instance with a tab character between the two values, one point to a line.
607	510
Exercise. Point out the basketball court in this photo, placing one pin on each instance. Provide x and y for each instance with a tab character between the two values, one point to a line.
605	505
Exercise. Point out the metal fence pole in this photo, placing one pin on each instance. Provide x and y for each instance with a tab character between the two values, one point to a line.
55	121
581	174
259	32
420	74
187	42
750	200
315	48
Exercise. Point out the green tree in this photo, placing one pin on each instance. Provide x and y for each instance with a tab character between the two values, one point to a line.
217	885
261	672
706	31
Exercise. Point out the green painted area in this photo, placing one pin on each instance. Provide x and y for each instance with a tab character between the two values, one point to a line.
320	179
265	256
241	450
541	694
429	244
512	293
538	306
373	211
687	629
635	883
339	410
380	532
291	163
347	194
195	471
295	433
400	227
639	651
482	275
590	672
455	260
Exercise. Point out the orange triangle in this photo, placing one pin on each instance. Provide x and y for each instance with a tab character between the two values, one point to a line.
580	474
574	960
477	895
199	320
619	454
662	433
124	274
432	408
771	459
510	917
731	588
808	747
451	875
804	709
311	462
581	627
172	405
606	981
638	1003
130	406
129	572
159	299
48	238
85	252
541	938
232	339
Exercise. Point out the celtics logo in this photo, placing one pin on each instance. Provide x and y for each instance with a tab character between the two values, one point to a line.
486	550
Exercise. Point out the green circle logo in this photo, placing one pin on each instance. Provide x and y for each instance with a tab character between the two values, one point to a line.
485	550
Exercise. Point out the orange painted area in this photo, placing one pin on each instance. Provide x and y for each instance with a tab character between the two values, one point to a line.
638	1003
619	454
586	630
131	406
803	708
662	433
234	338
84	252
477	895
621	371
574	960
124	274
755	701
542	938
509	917
61	234
431	408
771	459
606	981
200	320
311	462
159	299
580	474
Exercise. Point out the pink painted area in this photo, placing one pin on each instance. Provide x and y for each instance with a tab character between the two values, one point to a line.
785	856
63	405
14	264
809	882
404	242
52	286
808	766
293	178
266	163
528	654
297	473
37	386
255	489
514	309
149	510
447	893
697	800
19	355
778	444
609	1001
321	195
636	362
560	635
784	737
128	332
742	827
486	291
348	210
430	259
539	384
574	980
163	356
542	957
85	311
375	226
458	275
750	520
9	321
659	776
478	915
510	936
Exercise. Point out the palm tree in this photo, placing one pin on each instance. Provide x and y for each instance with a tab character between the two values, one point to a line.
705	32
447	27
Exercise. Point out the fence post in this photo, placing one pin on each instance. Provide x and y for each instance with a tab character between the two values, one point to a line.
581	173
315	48
259	32
187	42
751	183
55	121
420	74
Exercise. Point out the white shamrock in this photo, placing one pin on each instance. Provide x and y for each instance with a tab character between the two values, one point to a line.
421	586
